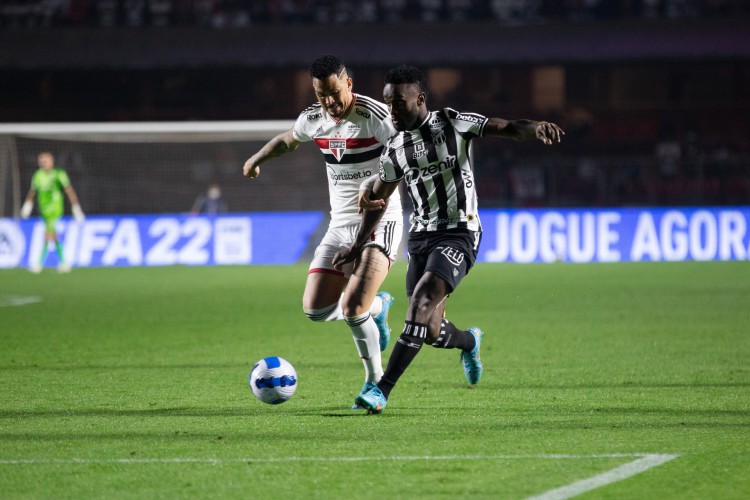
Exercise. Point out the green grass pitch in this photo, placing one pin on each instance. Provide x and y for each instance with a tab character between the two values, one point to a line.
132	383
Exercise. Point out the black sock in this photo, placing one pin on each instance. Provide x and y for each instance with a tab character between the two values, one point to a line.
406	349
453	338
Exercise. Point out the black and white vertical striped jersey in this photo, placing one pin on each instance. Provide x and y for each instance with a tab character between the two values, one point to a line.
435	161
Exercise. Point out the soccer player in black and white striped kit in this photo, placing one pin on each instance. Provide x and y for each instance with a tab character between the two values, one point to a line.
432	154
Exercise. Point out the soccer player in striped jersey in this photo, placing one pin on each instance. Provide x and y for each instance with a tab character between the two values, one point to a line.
432	154
350	131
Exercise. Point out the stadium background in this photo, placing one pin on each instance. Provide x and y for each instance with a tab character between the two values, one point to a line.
652	93
132	383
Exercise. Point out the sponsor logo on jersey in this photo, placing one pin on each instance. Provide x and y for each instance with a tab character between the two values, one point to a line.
363	114
337	147
415	219
430	170
419	150
315	116
353	128
469	118
347	176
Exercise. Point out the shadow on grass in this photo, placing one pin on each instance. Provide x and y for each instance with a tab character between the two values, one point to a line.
552	416
119	412
617	385
294	436
161	366
174	412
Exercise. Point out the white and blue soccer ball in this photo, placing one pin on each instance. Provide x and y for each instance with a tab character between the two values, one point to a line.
273	380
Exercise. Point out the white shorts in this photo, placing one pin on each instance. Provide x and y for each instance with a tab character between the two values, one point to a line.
387	237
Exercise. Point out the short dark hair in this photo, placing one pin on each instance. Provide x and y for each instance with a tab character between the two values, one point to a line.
407	74
325	66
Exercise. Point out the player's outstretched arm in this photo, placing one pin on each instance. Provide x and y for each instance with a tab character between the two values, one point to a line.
524	130
279	145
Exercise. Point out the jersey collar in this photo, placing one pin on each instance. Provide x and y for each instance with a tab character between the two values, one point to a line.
426	119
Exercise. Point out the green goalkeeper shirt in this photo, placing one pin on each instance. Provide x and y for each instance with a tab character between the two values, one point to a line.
49	185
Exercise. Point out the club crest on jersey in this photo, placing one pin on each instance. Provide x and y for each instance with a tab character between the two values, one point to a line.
455	257
438	137
419	150
337	147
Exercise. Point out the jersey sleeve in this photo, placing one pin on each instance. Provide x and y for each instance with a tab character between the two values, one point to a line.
302	130
468	125
388	169
63	179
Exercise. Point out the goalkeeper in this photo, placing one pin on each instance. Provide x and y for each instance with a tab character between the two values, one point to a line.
48	183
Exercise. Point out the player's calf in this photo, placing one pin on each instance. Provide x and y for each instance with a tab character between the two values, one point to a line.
451	337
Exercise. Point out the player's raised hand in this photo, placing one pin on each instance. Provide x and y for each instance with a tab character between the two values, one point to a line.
250	170
548	132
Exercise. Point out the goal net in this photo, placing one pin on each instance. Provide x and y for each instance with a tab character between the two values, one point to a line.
119	168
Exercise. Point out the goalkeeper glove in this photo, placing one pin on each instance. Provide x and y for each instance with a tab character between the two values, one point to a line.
78	213
26	209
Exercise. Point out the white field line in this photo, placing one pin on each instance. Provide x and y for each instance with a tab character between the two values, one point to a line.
178	460
18	300
625	471
642	463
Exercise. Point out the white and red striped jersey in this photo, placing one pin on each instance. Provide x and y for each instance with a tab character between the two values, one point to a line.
351	147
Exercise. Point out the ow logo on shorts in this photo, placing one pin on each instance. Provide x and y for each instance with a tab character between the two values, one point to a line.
455	257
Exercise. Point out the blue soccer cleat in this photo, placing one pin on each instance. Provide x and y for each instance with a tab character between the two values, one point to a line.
471	359
365	388
371	400
381	320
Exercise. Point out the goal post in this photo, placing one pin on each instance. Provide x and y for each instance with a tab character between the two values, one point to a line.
160	167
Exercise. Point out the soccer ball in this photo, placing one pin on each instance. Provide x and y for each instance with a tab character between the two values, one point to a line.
273	380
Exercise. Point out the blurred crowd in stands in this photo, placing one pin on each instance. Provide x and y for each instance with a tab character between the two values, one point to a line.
245	13
684	168
638	133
